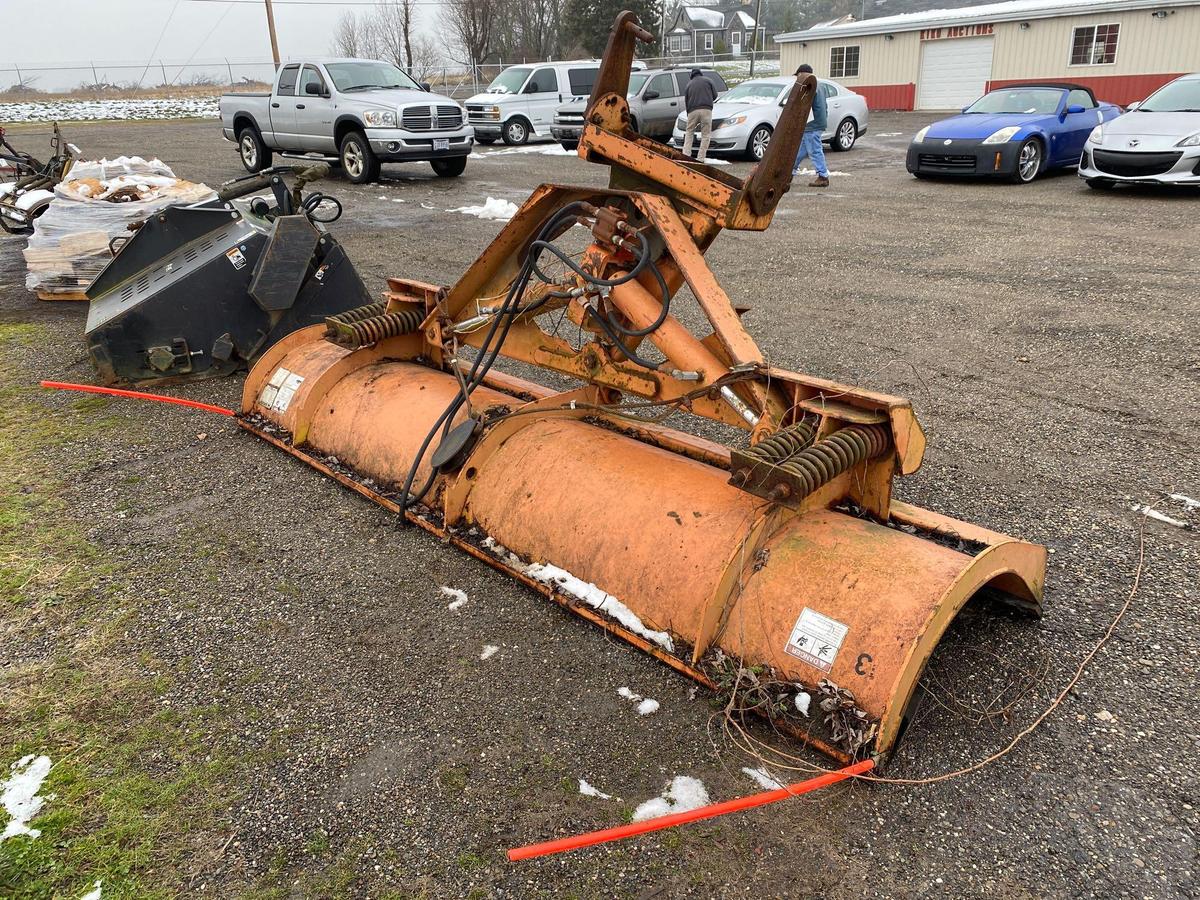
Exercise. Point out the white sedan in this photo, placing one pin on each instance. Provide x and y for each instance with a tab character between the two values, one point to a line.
744	119
1158	140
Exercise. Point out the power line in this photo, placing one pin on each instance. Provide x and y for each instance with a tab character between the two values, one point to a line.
159	41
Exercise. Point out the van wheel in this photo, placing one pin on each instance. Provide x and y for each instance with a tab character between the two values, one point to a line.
254	153
845	136
516	131
449	168
570	146
357	159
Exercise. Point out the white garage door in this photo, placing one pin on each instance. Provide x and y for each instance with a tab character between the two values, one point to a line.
953	72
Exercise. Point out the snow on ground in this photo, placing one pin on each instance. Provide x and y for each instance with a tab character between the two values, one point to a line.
500	210
765	779
93	894
20	794
597	599
646	706
1151	513
489	650
459	598
543	149
588	791
814	172
682	794
889	134
803	701
99	110
1186	501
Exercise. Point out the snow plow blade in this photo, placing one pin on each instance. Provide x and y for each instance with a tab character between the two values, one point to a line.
785	554
200	291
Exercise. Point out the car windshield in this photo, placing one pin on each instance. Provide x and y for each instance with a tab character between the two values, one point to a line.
509	81
363	76
1178	96
636	80
748	92
1022	101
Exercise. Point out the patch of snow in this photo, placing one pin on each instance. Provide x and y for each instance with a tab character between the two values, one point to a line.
709	18
814	172
381	197
459	597
682	794
588	791
599	600
647	707
765	779
93	894
1186	501
746	20
489	650
1151	513
889	134
499	210
20	795
803	701
397	200
113	108
628	694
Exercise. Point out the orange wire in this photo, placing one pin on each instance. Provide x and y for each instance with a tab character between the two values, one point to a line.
137	395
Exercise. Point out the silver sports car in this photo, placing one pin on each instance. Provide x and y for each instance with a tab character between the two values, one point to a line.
1158	140
744	119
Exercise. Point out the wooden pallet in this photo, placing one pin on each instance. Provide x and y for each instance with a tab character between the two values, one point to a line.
69	295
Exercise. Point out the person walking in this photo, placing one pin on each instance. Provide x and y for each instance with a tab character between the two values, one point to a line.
811	145
698	100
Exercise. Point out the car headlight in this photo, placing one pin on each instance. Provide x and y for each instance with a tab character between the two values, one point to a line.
1097	135
921	134
1003	135
1192	140
681	123
492	112
380	118
732	120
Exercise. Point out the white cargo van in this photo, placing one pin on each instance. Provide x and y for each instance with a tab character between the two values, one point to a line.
522	99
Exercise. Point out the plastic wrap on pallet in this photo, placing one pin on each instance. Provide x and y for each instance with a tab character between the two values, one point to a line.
98	202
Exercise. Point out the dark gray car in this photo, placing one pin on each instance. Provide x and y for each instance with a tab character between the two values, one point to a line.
655	99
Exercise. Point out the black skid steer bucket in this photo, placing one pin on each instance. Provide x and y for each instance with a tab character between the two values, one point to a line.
203	290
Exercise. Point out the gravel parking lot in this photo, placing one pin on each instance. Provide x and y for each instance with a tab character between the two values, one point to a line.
1047	335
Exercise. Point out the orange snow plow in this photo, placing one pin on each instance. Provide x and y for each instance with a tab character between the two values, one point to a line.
784	555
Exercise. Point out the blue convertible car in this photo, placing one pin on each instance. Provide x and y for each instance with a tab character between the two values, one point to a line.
1013	132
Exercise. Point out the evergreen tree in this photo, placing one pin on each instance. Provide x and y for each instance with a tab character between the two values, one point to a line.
588	22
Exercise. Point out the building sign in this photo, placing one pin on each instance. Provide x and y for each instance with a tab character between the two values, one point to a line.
956	31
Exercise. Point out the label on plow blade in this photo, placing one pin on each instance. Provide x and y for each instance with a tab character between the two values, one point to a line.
816	639
278	393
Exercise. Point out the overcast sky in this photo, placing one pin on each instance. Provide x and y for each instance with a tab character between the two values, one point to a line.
76	32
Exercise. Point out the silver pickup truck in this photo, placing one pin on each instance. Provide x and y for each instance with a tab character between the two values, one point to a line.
356	113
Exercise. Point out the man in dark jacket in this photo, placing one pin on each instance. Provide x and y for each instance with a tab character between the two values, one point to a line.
698	100
811	144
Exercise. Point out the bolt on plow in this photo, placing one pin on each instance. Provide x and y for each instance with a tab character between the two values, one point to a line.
784	555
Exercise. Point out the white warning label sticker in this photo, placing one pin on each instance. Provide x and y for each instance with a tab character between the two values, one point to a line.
816	639
236	258
278	392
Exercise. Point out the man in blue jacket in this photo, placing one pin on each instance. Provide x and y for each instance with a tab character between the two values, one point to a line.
811	145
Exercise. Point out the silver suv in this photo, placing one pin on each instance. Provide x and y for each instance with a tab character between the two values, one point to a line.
655	99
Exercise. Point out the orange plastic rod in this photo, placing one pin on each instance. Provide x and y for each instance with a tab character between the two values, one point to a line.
591	838
137	395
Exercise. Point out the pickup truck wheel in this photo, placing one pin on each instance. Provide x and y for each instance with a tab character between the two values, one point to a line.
254	153
516	131
449	168
357	159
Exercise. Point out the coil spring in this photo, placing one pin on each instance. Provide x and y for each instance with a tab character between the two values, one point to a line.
785	443
376	328
825	460
358	313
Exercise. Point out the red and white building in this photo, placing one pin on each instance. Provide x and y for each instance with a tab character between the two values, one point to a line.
945	59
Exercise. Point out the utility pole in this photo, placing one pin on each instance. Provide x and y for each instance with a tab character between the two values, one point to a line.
754	44
271	28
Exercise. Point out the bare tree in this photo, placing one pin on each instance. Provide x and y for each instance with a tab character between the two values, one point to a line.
425	58
472	24
348	36
537	23
390	27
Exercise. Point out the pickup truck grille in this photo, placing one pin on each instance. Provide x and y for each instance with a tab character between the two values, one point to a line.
569	118
431	118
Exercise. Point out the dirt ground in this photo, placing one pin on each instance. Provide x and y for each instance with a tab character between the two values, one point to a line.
255	686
